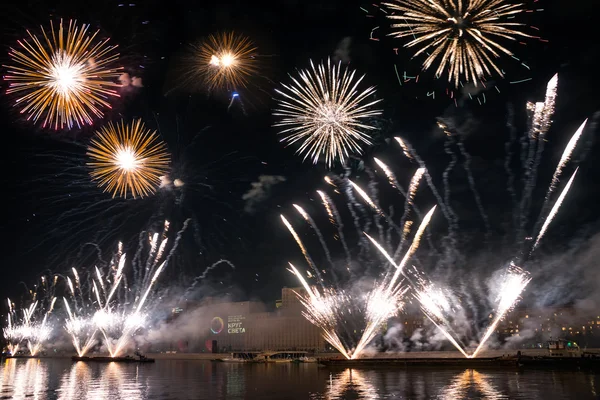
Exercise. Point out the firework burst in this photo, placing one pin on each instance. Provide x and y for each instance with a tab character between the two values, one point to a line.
462	36
63	77
326	112
128	159
226	61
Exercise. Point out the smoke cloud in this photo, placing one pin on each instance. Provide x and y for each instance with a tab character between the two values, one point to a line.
260	191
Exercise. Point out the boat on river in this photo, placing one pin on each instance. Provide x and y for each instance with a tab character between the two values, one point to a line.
562	354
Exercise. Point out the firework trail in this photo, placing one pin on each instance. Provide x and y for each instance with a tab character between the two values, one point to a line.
540	119
553	211
372	204
312	224
450	133
391	177
206	271
508	148
372	185
409	253
354	206
446	209
326	113
564	159
409	202
336	220
64	78
307	256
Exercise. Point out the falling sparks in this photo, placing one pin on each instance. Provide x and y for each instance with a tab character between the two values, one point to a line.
326	113
63	78
127	159
460	36
226	61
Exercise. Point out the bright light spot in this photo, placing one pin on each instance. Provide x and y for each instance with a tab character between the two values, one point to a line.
227	60
214	60
66	77
126	159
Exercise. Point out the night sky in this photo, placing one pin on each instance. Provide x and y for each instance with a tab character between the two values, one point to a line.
50	209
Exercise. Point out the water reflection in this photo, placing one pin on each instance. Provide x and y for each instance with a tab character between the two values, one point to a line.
351	384
108	381
51	379
470	384
24	379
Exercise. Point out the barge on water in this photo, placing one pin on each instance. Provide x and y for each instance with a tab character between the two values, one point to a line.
127	359
561	354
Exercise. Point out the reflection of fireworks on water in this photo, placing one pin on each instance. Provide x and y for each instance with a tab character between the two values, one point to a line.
438	304
64	78
31	323
351	383
463	384
128	159
326	113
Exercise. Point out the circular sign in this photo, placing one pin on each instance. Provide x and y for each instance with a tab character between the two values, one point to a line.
217	325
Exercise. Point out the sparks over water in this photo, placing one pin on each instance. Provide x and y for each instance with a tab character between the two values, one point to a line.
326	307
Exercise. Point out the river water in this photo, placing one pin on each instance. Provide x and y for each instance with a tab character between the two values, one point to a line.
198	379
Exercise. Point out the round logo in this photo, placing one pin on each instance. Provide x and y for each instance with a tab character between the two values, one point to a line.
217	325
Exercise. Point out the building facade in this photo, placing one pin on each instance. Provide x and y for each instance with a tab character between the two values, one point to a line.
246	326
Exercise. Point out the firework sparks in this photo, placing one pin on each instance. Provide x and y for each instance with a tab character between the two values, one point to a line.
321	311
459	35
226	61
325	112
554	210
566	156
128	159
514	283
63	78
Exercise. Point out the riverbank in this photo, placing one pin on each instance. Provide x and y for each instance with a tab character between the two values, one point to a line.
410	355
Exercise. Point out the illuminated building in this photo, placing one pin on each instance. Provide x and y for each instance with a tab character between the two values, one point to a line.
539	325
245	326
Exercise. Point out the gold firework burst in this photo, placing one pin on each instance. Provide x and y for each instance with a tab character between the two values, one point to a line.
63	77
325	111
459	34
226	61
127	158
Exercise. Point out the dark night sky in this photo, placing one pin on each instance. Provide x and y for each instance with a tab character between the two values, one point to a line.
229	150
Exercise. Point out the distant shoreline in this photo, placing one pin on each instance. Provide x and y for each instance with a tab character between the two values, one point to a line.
397	355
